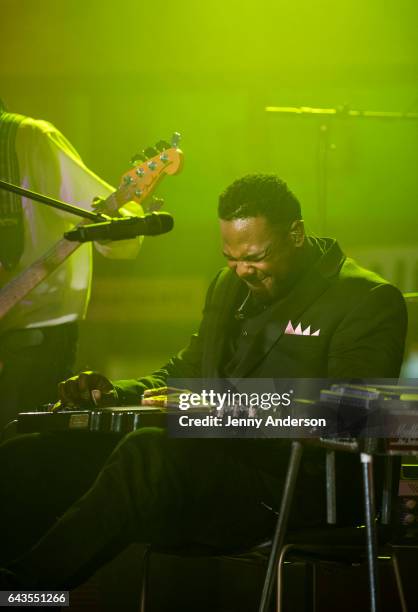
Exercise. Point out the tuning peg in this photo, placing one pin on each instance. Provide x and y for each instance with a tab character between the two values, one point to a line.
137	158
175	139
150	152
162	145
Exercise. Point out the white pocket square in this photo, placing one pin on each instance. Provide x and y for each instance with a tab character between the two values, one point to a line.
298	331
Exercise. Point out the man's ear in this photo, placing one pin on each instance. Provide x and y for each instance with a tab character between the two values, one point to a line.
297	233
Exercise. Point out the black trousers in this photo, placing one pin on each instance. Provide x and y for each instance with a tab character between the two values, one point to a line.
168	492
32	363
41	475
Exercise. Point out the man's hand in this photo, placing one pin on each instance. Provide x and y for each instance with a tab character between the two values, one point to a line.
172	397
163	397
88	389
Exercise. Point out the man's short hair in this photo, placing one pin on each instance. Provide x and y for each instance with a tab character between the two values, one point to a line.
259	195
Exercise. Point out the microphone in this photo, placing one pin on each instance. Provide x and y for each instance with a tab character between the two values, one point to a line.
150	224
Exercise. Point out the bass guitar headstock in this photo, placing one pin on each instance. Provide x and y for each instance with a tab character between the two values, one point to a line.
148	168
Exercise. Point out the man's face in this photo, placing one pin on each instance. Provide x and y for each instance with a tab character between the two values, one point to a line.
260	254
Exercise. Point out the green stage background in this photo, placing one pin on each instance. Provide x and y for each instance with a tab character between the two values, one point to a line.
116	77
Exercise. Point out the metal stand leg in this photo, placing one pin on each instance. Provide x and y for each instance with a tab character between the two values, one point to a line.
281	525
145	576
280	572
399	584
369	511
331	488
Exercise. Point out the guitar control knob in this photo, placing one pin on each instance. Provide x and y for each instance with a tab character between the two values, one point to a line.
410	504
175	139
408	519
152	165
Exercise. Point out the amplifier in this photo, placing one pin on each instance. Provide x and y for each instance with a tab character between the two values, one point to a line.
408	497
408	501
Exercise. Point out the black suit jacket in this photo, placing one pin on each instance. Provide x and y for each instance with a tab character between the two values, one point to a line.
361	320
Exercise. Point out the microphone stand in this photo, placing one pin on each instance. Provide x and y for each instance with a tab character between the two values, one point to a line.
53	202
325	115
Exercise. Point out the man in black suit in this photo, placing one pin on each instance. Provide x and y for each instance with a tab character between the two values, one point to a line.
288	306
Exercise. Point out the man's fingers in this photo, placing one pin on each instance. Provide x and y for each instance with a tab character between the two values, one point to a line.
68	392
83	381
93	380
96	396
155	392
163	391
157	400
104	398
166	400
